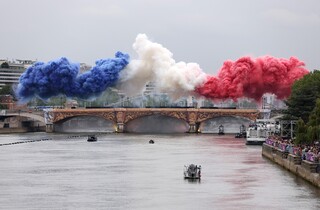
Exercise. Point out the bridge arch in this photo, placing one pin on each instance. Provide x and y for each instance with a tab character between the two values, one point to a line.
87	123
156	123
231	124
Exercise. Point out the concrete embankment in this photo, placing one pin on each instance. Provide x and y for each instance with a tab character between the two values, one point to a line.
302	168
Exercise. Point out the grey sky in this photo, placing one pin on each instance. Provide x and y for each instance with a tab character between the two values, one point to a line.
206	32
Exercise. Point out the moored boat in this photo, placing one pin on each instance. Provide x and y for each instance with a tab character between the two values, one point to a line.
257	132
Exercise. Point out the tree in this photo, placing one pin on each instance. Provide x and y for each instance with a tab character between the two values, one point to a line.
5	65
303	96
308	133
301	132
314	123
6	90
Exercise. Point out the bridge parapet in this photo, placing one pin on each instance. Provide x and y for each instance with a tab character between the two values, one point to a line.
206	114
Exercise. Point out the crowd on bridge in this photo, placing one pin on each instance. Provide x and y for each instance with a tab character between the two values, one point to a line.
306	152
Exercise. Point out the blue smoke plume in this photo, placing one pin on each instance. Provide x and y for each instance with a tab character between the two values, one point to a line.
60	77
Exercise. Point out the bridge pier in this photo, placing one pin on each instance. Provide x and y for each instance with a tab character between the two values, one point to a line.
120	127
49	128
193	128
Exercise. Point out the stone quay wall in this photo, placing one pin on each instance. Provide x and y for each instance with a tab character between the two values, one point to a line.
302	168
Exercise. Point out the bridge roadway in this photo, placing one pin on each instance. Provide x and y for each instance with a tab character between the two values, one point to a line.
121	116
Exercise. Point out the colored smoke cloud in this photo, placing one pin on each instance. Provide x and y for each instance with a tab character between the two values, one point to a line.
155	64
45	80
246	77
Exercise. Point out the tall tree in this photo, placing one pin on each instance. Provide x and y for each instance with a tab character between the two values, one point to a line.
308	133
301	132
303	96
313	133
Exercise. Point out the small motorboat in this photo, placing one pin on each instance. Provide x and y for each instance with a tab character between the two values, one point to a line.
221	130
241	135
192	171
92	138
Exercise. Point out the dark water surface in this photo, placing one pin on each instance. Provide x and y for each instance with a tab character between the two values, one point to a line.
123	171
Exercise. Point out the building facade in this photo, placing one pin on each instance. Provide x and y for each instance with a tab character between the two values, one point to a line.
10	71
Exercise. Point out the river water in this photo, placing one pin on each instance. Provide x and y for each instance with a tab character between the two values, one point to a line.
124	171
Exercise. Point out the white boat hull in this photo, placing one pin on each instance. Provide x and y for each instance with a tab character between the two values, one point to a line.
255	141
259	131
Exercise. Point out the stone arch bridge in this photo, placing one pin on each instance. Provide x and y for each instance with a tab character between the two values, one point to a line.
121	116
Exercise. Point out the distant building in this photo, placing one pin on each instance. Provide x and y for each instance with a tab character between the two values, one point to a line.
10	71
7	102
71	104
270	101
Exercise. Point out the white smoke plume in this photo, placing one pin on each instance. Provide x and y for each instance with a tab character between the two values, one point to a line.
155	64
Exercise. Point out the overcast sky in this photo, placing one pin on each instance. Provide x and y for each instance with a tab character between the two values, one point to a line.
206	32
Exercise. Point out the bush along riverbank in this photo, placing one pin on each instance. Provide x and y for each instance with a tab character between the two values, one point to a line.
304	165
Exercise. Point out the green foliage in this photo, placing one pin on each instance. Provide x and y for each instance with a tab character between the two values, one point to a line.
2	106
301	132
54	101
4	65
6	90
310	132
314	123
310	135
303	96
108	97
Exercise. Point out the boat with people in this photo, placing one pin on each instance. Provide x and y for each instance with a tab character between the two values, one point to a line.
92	138
258	131
192	171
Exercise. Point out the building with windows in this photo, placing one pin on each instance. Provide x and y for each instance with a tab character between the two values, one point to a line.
10	71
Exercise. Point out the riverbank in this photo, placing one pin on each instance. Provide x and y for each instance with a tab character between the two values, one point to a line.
302	168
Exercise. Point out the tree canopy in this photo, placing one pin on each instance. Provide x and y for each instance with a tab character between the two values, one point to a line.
6	90
309	132
303	96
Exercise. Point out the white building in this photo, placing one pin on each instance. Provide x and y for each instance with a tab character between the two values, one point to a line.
10	71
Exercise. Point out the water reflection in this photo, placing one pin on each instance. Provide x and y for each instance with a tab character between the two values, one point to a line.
193	181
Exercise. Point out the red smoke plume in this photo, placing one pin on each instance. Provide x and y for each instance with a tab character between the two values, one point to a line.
248	77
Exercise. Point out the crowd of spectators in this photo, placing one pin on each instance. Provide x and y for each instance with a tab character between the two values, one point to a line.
306	152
